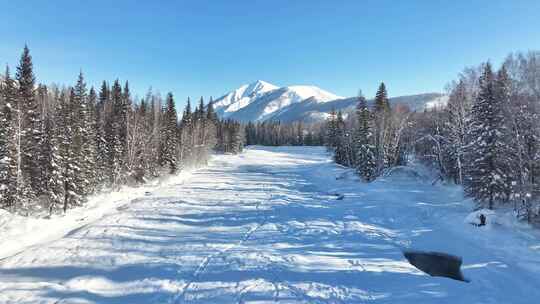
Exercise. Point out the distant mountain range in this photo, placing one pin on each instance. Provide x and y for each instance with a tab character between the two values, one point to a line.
262	101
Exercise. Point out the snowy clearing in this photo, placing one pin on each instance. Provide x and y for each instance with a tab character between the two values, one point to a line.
279	225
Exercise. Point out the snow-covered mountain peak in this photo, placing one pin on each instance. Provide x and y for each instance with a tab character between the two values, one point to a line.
243	96
317	93
261	100
259	86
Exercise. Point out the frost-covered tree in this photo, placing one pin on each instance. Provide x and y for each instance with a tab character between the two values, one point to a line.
185	133
488	146
341	152
113	136
82	125
52	171
8	144
169	144
331	131
90	141
73	159
365	150
382	118
456	127
101	110
31	128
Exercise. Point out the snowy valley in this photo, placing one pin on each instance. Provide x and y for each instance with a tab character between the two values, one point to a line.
394	156
281	225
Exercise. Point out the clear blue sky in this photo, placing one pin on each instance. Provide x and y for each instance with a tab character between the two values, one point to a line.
201	47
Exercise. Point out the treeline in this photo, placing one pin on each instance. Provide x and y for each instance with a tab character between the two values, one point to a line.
486	138
274	133
59	145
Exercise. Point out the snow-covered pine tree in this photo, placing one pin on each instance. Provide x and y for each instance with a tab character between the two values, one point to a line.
31	129
365	150
487	148
169	136
125	129
74	181
141	142
90	141
52	171
114	133
237	137
83	139
340	152
210	112
8	144
511	159
64	140
331	131
382	126
154	129
200	133
102	153
186	131
211	125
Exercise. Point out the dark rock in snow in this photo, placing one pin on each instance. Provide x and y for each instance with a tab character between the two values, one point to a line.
436	264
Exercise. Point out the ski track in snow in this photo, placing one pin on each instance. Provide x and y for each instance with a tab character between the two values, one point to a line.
275	225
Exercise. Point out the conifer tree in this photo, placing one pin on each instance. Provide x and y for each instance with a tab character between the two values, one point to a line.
210	112
211	128
154	130
512	161
125	128
8	149
331	130
31	129
74	181
186	131
83	140
382	121
114	135
90	141
340	154
169	138
365	150
53	177
64	140
101	120
142	152
487	147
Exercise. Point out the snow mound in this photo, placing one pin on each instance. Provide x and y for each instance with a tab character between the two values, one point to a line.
473	218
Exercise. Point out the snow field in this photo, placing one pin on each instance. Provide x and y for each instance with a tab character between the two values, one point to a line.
269	226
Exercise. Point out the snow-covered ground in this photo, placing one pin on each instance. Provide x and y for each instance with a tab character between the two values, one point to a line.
279	225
